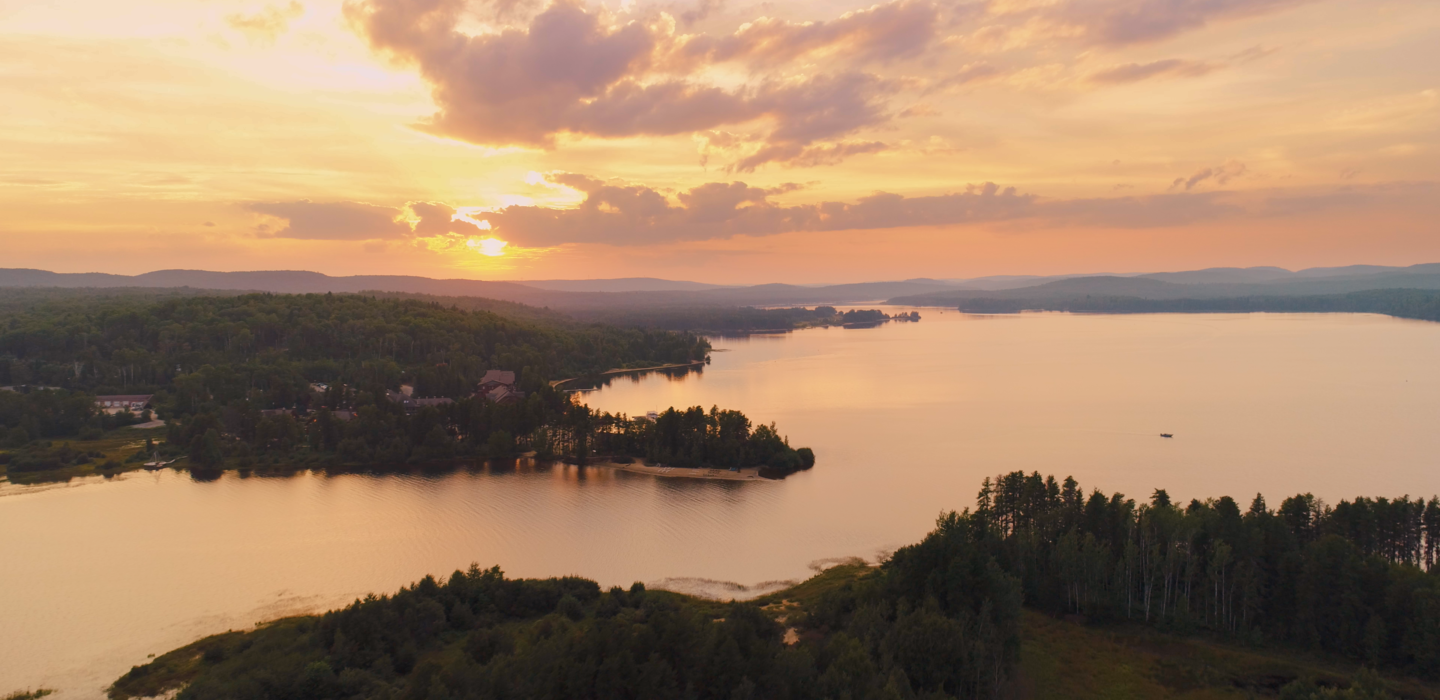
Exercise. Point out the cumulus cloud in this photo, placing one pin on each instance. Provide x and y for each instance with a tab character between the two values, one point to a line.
268	23
578	71
1135	72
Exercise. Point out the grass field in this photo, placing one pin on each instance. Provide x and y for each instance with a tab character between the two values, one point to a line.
118	445
1069	659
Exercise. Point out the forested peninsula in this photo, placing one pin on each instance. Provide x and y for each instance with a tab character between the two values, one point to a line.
1040	590
1422	304
279	382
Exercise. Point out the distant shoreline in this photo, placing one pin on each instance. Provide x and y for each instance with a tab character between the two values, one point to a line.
613	372
745	474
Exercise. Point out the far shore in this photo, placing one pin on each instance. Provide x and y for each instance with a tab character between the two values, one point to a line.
613	372
746	474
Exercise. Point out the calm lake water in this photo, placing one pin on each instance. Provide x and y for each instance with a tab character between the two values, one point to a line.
905	420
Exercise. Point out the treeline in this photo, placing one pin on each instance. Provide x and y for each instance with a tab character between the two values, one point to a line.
729	319
201	349
1421	304
690	438
40	414
939	620
380	434
1357	579
230	357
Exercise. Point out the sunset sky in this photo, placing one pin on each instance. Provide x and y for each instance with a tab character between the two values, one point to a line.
718	140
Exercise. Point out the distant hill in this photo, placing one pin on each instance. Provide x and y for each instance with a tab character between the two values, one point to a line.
582	294
1200	284
647	292
623	284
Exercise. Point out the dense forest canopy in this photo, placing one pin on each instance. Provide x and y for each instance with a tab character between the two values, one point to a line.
270	380
938	619
280	343
1358	579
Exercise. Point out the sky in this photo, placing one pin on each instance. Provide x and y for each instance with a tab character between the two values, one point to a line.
722	141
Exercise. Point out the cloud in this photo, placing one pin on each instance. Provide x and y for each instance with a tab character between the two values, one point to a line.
360	221
969	73
1125	22
582	72
1013	24
701	11
1254	53
1220	174
623	214
267	24
1153	211
330	221
1135	72
882	33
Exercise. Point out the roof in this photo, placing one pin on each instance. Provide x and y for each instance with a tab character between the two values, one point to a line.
499	376
503	393
432	402
126	398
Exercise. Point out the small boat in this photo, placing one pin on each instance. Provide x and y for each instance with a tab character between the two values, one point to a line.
1166	435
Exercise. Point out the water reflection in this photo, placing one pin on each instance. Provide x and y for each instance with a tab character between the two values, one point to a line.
583	385
905	420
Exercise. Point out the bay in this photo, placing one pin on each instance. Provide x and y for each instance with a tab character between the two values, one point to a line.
905	420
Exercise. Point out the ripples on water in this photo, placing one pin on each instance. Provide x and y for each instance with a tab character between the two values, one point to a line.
905	420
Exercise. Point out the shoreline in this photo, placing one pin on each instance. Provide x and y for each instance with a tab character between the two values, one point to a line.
614	372
744	474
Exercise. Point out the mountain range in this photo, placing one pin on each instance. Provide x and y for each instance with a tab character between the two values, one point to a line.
641	292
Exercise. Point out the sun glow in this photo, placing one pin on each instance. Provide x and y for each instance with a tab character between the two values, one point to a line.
492	247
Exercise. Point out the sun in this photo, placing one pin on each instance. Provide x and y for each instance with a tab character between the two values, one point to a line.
492	247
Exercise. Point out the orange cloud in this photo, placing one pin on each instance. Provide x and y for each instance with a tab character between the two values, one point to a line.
574	71
1135	72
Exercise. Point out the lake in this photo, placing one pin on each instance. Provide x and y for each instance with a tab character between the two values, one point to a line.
905	421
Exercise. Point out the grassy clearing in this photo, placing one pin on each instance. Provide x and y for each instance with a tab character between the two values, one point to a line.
1071	660
1065	659
117	445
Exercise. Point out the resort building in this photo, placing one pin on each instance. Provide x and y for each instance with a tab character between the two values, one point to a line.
133	403
498	386
494	379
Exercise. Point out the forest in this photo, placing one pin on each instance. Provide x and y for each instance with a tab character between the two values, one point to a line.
257	380
193	349
937	619
940	618
1357	579
1423	304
